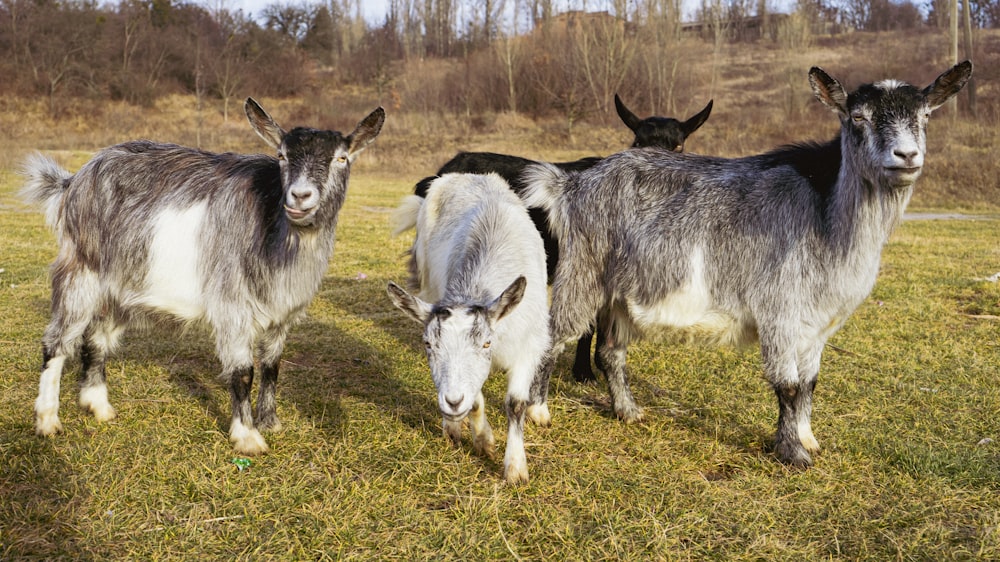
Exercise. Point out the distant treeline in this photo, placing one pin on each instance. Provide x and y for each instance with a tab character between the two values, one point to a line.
138	50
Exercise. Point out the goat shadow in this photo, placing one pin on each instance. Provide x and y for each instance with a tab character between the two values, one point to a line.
37	486
663	395
322	364
374	375
367	300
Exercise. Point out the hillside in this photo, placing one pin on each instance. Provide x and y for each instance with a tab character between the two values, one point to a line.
760	92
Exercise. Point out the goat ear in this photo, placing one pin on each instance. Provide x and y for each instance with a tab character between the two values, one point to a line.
629	118
948	84
262	123
508	299
692	124
415	308
828	90
365	133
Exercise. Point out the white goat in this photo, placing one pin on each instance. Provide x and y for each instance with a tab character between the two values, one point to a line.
479	265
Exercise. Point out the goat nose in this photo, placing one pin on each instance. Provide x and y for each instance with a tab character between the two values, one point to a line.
300	196
907	156
454	402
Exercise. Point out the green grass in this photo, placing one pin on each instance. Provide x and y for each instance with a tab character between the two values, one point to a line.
362	471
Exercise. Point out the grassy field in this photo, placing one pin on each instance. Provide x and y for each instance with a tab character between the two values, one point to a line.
905	409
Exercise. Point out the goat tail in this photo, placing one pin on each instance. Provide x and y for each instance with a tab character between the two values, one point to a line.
45	183
545	184
405	216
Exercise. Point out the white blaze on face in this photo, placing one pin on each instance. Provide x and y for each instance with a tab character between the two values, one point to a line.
302	195
905	151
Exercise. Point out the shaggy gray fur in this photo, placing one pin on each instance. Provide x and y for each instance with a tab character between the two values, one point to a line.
779	248
149	230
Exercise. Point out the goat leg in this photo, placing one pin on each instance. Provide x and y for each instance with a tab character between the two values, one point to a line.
246	438
614	355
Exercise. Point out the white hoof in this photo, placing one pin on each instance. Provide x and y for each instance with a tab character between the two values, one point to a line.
47	423
95	400
630	414
809	441
247	441
452	431
515	471
484	444
539	415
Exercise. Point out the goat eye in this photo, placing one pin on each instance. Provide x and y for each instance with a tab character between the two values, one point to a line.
281	157
341	159
486	345
858	118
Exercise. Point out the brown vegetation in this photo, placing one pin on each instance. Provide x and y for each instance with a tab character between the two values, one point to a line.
761	95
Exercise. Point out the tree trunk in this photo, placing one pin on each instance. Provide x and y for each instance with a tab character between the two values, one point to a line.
967	29
953	102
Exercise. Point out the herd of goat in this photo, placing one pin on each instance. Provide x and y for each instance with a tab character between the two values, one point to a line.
778	248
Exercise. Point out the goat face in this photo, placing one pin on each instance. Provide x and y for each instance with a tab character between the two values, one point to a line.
886	122
314	164
458	340
664	132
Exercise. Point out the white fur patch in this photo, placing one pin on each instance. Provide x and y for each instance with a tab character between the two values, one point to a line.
889	84
691	311
47	403
174	284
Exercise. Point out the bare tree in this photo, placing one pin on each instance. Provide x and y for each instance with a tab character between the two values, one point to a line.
605	53
439	26
62	37
231	64
658	35
508	51
290	19
967	29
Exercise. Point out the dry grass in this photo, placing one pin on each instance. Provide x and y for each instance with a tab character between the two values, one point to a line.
362	471
906	412
762	100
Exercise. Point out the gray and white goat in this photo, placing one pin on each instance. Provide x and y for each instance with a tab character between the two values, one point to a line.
151	230
778	248
479	264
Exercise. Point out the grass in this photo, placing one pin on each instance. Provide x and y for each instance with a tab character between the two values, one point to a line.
905	409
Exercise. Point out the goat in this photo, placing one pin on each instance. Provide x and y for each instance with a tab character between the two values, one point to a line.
665	132
150	230
778	248
480	270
